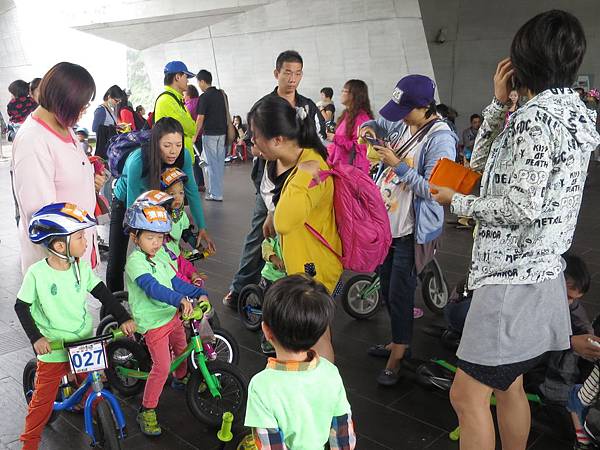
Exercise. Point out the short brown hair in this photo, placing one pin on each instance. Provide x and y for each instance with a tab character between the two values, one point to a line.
65	90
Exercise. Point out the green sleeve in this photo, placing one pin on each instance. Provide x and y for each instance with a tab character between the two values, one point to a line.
88	276
28	291
258	413
137	265
191	192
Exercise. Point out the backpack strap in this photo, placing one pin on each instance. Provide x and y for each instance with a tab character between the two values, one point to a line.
173	96
321	239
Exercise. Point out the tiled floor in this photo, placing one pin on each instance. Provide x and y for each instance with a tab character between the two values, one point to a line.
404	417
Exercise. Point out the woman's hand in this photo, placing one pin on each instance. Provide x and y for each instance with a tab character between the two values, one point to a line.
42	346
441	194
269	226
503	83
386	155
366	131
330	136
582	346
204	237
128	327
99	180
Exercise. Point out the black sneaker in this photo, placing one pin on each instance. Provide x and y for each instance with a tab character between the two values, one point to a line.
231	300
266	346
580	446
379	351
388	377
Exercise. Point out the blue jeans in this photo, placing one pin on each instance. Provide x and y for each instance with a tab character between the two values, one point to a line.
215	149
398	284
251	262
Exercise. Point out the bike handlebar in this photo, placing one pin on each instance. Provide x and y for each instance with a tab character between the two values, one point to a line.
200	310
224	433
114	334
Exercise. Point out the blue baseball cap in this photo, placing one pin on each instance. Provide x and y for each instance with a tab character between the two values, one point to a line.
412	91
178	66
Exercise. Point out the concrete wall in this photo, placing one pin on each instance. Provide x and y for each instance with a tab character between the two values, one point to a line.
378	41
479	34
31	43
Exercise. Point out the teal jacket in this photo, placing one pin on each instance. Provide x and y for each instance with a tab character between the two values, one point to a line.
131	184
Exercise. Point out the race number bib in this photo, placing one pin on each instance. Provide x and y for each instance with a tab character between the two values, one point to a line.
87	357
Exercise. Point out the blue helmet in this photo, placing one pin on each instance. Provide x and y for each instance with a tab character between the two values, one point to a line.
144	216
58	220
154	198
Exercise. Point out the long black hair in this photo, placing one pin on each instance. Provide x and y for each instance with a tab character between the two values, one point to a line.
152	164
274	116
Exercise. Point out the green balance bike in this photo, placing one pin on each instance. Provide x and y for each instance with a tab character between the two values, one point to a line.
213	387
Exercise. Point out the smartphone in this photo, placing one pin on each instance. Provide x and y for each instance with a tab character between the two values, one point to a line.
374	141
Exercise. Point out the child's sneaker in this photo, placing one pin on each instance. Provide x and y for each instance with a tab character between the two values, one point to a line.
580	446
148	422
179	384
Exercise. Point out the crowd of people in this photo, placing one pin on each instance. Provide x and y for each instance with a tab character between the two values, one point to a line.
532	155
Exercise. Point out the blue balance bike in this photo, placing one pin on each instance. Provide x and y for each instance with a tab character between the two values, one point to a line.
104	420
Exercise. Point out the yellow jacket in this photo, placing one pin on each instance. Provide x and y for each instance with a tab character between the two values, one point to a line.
298	205
166	106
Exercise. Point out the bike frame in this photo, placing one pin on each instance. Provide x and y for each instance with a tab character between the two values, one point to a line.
195	345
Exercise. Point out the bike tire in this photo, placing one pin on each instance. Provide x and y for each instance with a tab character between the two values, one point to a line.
355	306
250	295
128	353
108	432
106	325
122	297
435	297
29	385
208	409
226	347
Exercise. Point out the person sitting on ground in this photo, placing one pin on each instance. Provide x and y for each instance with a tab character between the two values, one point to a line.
155	295
344	147
172	181
53	300
298	401
21	104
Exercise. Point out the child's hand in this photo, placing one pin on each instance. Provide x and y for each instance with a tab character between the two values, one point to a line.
128	327
187	308
42	346
198	278
582	346
277	262
203	298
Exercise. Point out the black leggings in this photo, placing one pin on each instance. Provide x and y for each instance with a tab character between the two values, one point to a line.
117	249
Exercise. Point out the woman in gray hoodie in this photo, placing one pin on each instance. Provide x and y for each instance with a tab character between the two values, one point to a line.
534	173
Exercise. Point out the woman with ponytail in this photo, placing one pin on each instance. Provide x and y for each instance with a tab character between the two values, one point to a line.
287	138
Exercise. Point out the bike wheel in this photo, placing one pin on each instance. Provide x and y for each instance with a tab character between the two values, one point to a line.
129	354
122	297
233	387
354	302
106	325
435	295
225	346
107	432
251	297
29	386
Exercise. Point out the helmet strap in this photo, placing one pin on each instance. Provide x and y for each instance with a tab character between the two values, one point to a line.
72	260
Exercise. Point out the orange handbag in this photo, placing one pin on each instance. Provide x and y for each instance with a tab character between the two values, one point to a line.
455	176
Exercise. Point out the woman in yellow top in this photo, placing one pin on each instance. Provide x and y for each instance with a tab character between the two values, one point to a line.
287	136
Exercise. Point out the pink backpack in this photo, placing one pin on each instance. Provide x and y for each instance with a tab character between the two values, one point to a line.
361	218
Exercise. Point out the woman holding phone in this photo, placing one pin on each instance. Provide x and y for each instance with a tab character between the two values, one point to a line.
534	171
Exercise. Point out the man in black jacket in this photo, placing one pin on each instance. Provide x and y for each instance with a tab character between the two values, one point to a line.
288	73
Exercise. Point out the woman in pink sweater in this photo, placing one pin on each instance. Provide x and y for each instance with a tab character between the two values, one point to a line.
48	165
344	146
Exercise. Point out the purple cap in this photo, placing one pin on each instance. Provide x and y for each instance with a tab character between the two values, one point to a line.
412	91
178	66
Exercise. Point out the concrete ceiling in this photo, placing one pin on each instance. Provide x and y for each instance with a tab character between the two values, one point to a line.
142	33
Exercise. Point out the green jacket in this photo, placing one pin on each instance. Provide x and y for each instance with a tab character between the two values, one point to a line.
166	106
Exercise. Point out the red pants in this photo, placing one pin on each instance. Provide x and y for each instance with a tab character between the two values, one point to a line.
160	341
47	381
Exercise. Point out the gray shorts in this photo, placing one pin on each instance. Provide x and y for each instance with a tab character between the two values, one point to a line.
510	323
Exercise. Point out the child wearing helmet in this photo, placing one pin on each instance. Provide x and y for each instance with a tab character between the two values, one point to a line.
172	182
155	296
52	304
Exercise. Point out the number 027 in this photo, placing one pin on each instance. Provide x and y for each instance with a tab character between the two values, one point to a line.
86	359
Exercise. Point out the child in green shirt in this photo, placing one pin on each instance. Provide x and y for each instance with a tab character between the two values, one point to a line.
172	182
52	304
155	295
299	400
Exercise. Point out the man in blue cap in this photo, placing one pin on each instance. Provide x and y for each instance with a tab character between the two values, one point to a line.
170	102
411	138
